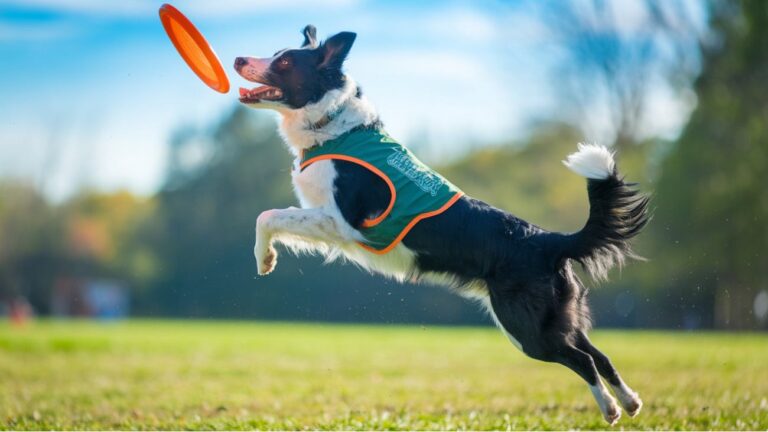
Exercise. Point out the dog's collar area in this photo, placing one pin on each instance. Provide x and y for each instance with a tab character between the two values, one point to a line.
323	122
327	118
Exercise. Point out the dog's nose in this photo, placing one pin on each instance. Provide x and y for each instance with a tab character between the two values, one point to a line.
240	62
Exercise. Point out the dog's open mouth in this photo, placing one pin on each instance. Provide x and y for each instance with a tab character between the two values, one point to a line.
261	93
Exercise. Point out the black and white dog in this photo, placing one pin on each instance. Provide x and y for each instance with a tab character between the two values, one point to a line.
520	272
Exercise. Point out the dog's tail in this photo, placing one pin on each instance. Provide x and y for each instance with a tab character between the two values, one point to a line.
617	212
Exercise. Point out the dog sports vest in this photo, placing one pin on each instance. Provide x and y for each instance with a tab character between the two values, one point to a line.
416	191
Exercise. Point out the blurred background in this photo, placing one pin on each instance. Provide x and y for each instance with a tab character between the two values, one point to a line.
128	188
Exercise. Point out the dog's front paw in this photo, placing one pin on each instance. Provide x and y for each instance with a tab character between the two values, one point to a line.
268	263
265	254
266	259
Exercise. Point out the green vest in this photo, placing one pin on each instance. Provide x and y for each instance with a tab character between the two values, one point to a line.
416	192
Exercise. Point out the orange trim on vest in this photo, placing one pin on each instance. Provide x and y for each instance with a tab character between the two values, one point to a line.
368	223
411	224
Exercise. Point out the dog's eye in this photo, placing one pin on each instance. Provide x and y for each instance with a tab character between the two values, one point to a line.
283	63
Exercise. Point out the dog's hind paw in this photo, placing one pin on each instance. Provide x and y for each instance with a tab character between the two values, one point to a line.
612	414
608	405
633	407
629	399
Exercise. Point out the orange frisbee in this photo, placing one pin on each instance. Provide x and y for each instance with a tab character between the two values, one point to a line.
194	49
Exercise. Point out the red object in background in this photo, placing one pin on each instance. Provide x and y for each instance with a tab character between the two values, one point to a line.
20	312
194	49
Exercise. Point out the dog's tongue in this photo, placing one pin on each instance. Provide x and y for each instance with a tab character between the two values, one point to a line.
243	92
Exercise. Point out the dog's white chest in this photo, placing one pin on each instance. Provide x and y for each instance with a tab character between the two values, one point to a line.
314	185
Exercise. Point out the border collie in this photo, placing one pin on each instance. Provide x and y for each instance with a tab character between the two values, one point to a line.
521	273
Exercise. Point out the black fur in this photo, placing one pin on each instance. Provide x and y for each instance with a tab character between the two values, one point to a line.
617	213
310	36
359	194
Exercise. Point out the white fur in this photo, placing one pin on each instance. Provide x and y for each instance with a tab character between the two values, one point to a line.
606	402
255	68
591	161
314	185
314	226
323	231
629	399
398	264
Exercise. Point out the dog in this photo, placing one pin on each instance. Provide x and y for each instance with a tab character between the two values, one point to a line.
351	179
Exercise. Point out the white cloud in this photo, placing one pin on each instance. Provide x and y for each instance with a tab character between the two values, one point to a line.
468	24
438	23
526	29
667	112
33	32
422	64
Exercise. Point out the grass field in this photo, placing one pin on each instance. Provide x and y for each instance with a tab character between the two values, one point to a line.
221	375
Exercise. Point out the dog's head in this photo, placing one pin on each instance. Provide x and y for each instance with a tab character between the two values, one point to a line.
293	78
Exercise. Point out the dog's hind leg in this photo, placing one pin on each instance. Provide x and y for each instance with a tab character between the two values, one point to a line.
583	364
307	225
517	316
629	399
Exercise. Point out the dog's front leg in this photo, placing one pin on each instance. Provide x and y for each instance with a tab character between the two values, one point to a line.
311	225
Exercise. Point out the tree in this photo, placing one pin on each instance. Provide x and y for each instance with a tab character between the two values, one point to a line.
31	244
103	235
711	231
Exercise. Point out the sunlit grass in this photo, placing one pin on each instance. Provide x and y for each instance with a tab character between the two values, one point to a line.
214	375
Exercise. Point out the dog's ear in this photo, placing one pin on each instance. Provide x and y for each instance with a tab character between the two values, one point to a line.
335	49
310	36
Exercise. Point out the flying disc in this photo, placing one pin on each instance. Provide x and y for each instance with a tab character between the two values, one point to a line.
194	49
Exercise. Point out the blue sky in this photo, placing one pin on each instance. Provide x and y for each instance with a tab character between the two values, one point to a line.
92	89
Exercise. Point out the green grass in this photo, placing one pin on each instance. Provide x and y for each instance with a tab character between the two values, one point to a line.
221	375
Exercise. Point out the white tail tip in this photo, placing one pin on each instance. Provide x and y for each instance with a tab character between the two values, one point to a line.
591	161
